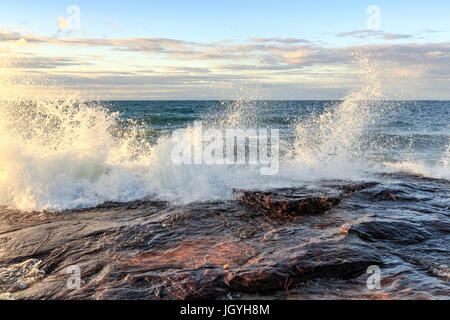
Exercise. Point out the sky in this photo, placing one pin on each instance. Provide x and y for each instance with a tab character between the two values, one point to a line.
226	49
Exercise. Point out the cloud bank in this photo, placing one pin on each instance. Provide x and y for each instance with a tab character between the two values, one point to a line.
284	68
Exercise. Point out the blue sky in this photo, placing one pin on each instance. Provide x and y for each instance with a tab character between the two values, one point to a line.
231	19
406	27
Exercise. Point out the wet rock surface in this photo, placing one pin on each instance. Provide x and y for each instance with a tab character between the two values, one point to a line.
287	202
394	231
306	242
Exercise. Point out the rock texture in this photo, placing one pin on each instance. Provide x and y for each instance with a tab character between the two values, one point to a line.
298	242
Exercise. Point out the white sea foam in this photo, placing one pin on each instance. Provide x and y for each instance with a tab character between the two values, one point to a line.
58	154
439	170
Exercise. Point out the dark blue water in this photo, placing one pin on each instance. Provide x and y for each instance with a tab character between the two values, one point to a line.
413	131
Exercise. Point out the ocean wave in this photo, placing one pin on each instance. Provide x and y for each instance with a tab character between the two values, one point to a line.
61	154
441	170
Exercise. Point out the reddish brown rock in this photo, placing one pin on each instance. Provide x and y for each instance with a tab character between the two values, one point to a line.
288	202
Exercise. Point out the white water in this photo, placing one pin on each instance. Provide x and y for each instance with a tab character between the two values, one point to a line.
58	154
439	170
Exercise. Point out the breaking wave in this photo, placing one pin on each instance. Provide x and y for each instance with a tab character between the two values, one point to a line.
63	153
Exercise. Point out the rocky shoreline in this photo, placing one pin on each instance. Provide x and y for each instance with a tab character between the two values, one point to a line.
291	243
